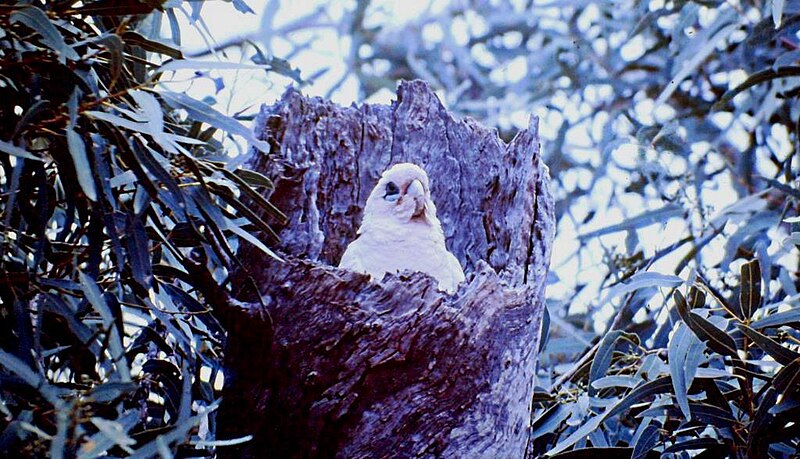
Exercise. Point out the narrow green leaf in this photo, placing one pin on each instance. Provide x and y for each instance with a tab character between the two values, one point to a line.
702	444
654	387
242	7
80	159
138	250
14	150
133	38
37	110
716	339
602	359
549	420
702	46
681	305
228	196
109	391
642	280
248	176
63	421
56	304
756	224
188	64
777	12
786	59
788	317
178	433
24	372
580	433
700	412
277	65
650	217
787	378
755	79
174	28
697	298
682	343
114	432
105	439
185	408
35	19
253	194
616	381
596	452
780	353
205	113
217	443
647	440
77	149
115	47
236	229
750	293
762	419
95	297
117	8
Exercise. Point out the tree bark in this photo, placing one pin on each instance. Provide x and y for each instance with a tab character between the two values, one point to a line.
328	363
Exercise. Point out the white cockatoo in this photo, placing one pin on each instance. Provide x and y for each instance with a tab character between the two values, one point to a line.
400	231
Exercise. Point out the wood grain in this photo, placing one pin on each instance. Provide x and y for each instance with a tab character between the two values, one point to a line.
336	365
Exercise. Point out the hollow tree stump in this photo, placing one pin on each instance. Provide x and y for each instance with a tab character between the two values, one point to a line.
332	364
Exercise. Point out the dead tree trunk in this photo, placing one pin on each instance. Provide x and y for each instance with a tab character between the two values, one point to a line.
335	365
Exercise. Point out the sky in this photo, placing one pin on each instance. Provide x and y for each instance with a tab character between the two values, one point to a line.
325	48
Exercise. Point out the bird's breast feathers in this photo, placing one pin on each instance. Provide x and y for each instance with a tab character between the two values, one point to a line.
413	247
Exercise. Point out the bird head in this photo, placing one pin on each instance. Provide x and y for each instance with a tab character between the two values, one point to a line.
403	195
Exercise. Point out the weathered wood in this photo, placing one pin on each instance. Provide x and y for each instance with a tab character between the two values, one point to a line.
336	365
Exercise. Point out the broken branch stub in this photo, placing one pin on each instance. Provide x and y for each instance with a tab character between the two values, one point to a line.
336	365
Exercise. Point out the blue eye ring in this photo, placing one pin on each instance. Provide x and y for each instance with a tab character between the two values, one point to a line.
391	190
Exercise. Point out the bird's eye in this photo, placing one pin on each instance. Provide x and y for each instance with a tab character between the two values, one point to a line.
392	191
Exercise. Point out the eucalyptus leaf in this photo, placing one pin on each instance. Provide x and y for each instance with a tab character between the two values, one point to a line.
583	431
207	114
781	354
647	441
37	20
19	152
750	290
684	353
603	357
787	317
700	48
777	12
642	220
95	297
641	280
77	149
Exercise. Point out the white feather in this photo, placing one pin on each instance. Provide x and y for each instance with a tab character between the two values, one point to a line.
396	236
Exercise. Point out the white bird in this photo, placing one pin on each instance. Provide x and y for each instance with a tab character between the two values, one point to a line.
400	231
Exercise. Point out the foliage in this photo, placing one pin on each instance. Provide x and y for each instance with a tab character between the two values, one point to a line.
120	215
671	130
724	384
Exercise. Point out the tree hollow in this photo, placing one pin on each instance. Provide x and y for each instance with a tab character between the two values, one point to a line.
329	363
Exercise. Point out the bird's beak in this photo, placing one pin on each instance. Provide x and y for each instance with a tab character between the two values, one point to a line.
416	191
